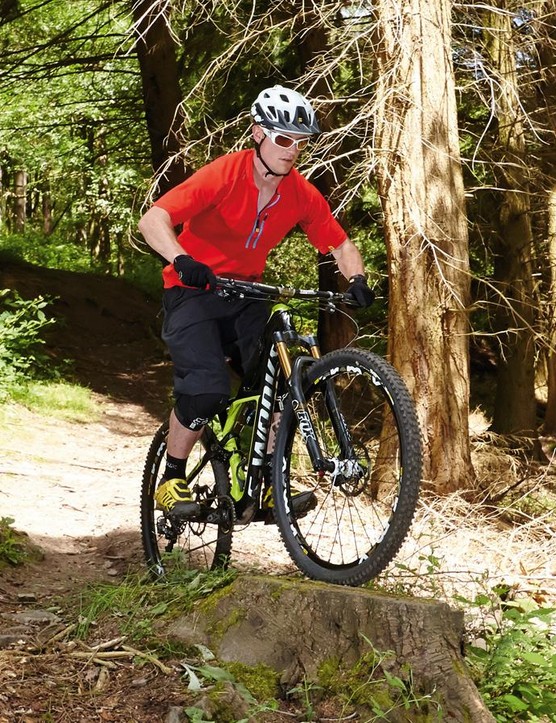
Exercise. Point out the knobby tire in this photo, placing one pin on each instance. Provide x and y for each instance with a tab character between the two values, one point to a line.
360	520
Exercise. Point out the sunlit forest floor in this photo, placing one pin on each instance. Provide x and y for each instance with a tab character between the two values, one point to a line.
74	488
85	484
498	538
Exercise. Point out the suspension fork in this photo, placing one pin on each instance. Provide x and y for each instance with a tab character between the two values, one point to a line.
338	422
293	375
292	372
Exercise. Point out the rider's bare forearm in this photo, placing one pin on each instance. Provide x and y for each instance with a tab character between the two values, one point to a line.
159	233
349	259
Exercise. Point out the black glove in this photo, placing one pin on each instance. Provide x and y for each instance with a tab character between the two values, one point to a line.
362	294
194	273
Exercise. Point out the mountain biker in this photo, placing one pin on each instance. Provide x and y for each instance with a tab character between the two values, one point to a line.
232	212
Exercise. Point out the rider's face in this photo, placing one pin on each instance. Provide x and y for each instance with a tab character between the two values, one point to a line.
274	152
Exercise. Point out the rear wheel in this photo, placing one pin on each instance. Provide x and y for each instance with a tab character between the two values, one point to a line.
367	429
205	542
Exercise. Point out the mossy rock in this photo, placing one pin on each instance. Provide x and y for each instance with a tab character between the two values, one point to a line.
296	626
260	680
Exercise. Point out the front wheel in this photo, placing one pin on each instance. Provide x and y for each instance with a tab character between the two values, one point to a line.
173	546
367	429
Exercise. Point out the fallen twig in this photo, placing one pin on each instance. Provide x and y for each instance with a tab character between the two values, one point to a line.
100	655
60	635
151	658
109	643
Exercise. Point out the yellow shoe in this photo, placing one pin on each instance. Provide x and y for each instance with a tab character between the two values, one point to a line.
174	496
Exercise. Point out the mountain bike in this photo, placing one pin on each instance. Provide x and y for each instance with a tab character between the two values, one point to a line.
347	433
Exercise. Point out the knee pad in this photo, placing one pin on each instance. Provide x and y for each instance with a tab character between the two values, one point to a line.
195	411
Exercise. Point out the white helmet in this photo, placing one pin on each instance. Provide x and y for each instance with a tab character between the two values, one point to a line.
280	108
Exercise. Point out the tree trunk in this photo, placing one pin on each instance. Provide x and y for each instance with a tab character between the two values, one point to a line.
421	189
2	199
98	234
46	208
515	407
550	416
9	10
156	52
301	628
20	200
334	330
546	103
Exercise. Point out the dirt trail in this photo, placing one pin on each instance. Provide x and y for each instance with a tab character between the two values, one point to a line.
74	487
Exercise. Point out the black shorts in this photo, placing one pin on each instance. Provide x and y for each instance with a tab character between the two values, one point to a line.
201	330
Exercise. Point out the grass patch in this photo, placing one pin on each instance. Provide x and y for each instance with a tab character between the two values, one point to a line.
15	547
59	399
135	606
369	683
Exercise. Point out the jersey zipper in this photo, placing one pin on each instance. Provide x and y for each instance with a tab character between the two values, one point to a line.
258	226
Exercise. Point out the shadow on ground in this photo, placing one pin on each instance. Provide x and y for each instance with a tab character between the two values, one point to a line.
108	330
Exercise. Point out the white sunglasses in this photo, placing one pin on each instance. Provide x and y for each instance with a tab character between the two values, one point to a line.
285	141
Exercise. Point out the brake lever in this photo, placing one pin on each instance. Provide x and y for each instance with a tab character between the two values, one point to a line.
349	300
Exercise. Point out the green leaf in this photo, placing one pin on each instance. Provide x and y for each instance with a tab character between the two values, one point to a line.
204	652
535	659
196	715
394	681
214	673
479	653
160	608
513	702
194	682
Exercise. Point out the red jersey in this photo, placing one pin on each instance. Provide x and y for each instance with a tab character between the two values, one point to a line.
217	206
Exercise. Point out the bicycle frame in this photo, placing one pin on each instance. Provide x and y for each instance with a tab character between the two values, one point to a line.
261	388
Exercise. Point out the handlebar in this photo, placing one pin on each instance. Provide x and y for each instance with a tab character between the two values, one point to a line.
244	289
